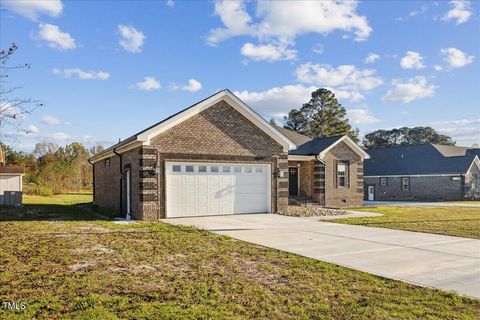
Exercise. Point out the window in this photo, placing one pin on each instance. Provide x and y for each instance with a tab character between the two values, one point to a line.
258	170
176	168
214	169
107	162
341	174
237	169
189	168
406	184
383	181
248	169
226	169
202	168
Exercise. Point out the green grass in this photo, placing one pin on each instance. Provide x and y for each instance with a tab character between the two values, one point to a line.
476	202
66	264
453	221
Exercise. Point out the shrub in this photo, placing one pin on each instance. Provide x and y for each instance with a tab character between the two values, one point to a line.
37	190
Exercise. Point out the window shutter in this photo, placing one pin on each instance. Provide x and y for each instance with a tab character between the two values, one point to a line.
335	173
347	173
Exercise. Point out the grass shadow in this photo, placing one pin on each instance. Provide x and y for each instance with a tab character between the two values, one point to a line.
50	212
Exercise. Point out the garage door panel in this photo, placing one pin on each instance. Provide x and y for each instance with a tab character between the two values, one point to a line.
197	189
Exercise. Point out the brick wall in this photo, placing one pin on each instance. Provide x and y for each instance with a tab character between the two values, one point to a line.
107	184
352	194
218	130
421	188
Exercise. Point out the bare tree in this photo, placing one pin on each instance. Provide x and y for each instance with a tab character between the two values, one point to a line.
13	109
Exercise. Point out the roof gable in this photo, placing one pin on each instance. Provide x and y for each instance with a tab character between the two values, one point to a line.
143	137
322	146
293	136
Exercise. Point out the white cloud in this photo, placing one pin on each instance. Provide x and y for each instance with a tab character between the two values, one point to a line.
148	84
268	52
438	67
414	13
32	129
372	57
192	86
361	116
413	89
50	120
461	12
170	3
58	136
462	133
82	75
457	122
278	101
413	60
284	21
343	77
318	49
55	38
456	58
32	9
131	39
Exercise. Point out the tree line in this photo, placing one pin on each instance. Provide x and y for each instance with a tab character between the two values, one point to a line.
324	116
51	169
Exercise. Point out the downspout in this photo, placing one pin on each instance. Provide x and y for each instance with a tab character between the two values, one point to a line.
93	169
121	179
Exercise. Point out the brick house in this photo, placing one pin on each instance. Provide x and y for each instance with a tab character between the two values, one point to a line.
220	157
422	172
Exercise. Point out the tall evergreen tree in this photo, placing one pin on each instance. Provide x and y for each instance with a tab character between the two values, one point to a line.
322	116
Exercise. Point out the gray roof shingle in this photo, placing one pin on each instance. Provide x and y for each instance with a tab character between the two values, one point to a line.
314	147
414	160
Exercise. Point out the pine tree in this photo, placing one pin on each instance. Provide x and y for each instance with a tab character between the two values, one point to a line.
322	116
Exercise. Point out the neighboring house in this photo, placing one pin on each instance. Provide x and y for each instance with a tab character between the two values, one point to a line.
220	157
11	185
422	172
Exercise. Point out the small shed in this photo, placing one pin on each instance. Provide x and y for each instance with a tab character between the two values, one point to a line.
11	185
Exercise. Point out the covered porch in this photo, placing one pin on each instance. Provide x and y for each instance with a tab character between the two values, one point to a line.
306	179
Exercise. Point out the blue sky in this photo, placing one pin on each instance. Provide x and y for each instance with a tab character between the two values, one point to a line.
105	70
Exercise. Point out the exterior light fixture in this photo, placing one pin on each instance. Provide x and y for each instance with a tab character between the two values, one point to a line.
155	171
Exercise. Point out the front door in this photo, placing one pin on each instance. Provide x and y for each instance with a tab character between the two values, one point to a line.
293	181
371	193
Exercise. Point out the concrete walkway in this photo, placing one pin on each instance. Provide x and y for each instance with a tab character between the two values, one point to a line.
350	214
421	204
443	262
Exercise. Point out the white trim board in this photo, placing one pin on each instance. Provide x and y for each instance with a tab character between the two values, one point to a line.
144	137
351	144
233	101
300	158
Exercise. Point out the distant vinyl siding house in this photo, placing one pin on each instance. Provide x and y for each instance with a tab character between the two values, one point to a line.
11	185
422	172
218	157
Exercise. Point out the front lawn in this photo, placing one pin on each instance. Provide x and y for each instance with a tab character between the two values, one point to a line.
86	268
453	221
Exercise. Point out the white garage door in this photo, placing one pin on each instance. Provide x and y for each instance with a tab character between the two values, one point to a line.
200	189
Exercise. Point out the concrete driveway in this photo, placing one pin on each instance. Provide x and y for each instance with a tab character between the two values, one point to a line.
443	262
